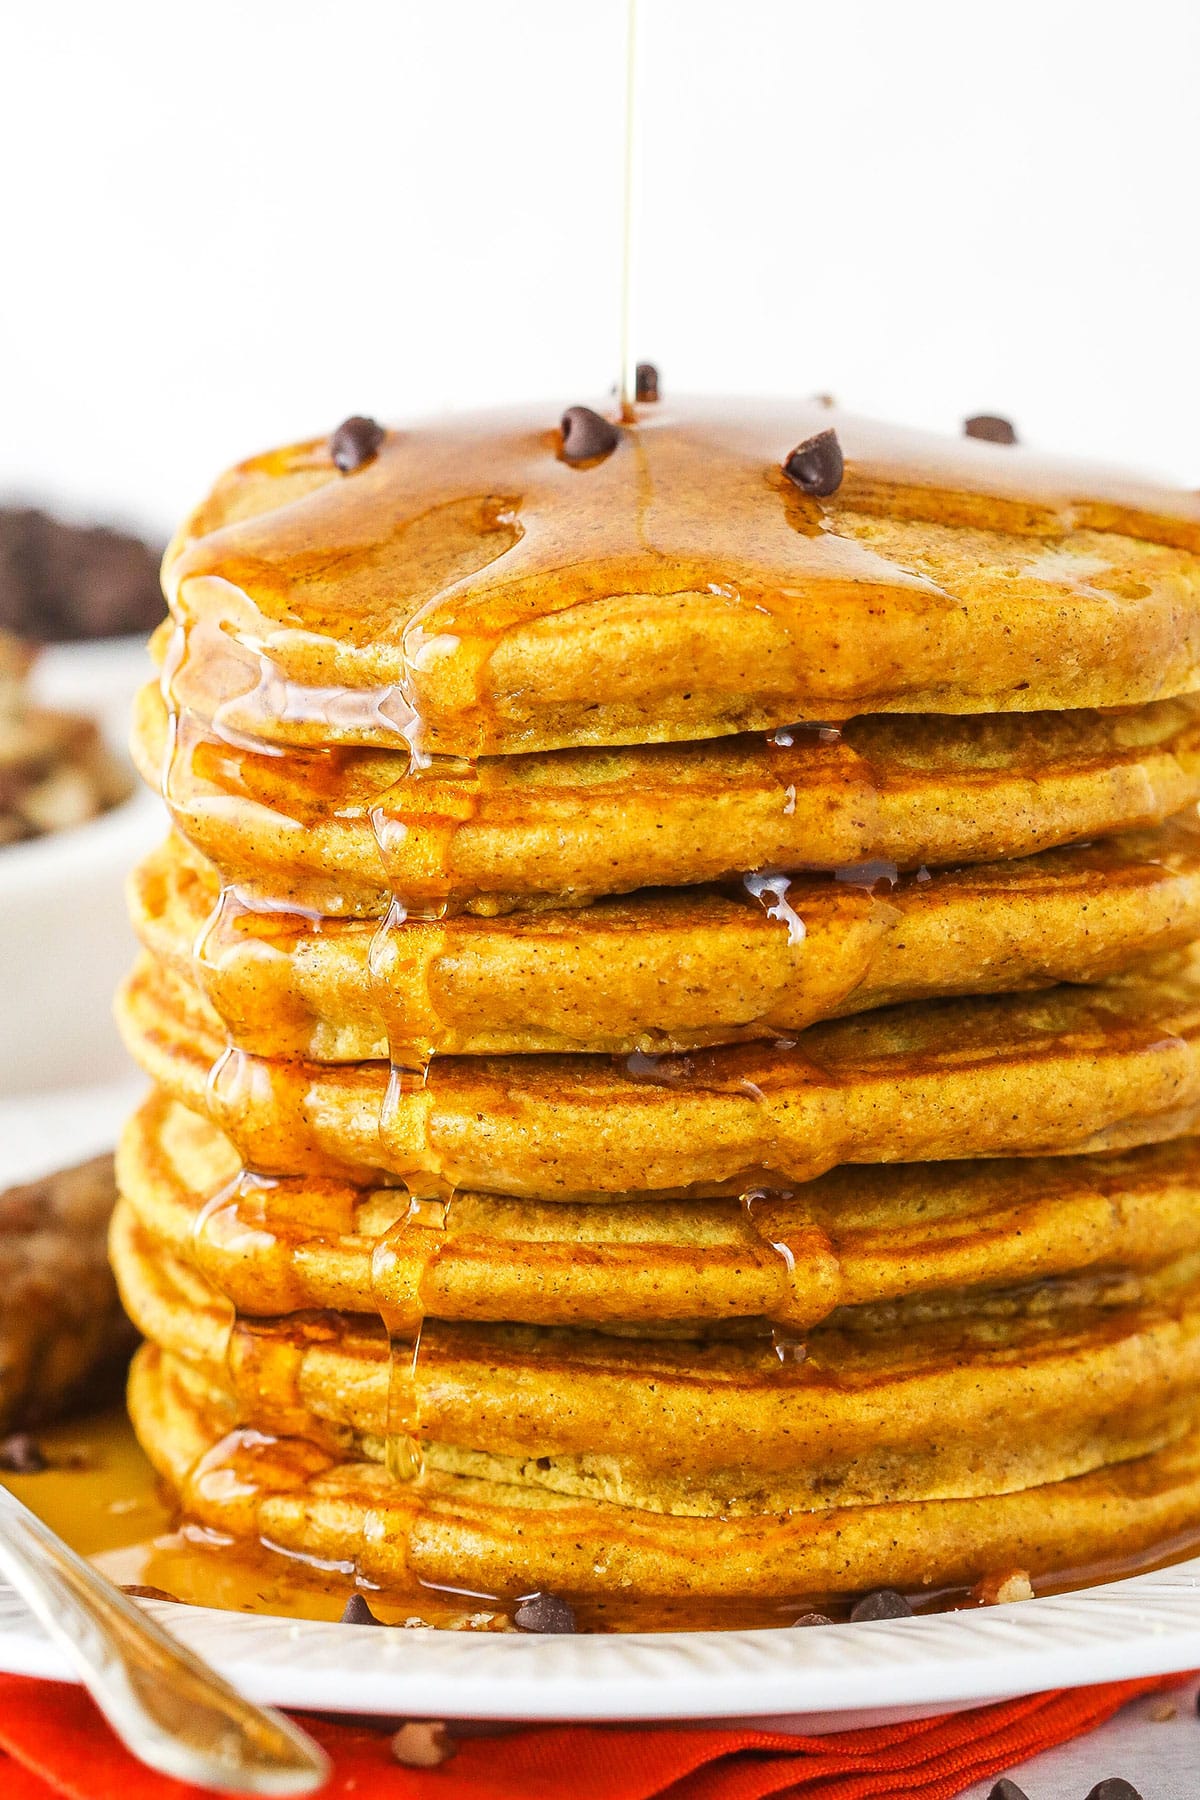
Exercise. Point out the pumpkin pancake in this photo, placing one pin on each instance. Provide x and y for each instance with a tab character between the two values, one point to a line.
1070	1070
454	1531
311	827
680	587
662	969
857	1237
1007	1390
609	1137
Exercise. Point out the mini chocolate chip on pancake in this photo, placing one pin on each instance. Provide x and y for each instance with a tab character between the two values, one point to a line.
816	466
646	383
355	442
990	428
586	435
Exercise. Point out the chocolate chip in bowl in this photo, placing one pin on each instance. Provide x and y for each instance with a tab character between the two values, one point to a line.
60	582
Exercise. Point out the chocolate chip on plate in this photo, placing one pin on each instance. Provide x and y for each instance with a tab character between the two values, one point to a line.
881	1603
645	385
355	442
21	1454
991	428
1115	1788
811	1619
357	1612
816	466
1007	1790
586	435
545	1613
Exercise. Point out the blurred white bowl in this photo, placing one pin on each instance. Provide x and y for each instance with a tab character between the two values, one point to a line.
65	940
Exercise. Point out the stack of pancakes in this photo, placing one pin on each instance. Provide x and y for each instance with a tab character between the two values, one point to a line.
668	997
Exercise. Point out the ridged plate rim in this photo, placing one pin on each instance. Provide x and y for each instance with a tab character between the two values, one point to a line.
832	1676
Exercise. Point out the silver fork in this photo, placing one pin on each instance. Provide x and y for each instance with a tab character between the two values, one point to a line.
165	1704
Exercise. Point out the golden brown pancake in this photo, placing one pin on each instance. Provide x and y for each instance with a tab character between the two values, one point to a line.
493	1536
1006	1391
567	1064
858	1237
1068	1071
663	969
681	587
570	826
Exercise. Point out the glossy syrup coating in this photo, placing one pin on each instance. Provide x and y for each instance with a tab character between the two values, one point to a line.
880	1240
640	1569
1073	1070
472	589
664	970
342	830
911	1406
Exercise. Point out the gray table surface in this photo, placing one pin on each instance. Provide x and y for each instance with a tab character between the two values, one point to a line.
1161	1757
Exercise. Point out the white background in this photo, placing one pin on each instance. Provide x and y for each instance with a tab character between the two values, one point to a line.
229	223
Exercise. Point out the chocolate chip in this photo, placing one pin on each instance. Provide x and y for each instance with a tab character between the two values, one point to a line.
1114	1789
646	383
61	581
882	1603
138	1592
22	1455
816	465
1007	1790
544	1612
357	1612
990	428
811	1619
355	442
586	435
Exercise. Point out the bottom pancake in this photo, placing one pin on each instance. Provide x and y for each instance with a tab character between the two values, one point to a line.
492	1538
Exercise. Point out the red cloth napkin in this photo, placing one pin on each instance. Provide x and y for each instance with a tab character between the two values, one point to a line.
55	1746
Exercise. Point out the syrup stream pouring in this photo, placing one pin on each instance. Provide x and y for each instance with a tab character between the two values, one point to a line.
171	1710
628	372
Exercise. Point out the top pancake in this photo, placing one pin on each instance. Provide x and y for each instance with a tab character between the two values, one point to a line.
471	588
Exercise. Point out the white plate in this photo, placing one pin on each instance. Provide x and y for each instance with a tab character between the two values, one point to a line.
822	1678
816	1679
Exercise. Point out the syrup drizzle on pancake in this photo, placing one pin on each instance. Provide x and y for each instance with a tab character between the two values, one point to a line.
403	580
